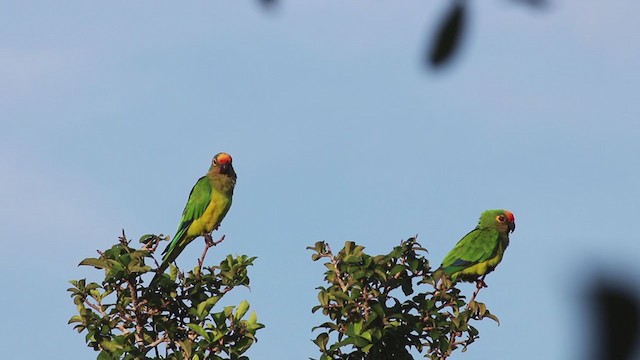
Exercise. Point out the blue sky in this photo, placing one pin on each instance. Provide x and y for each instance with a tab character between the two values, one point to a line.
111	111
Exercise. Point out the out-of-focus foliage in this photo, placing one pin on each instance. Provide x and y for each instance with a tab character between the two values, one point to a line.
175	319
382	306
446	39
615	308
448	35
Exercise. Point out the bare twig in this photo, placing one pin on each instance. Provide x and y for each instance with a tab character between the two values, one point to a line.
95	307
454	334
452	342
136	310
152	246
123	239
334	261
159	341
98	308
479	285
208	244
366	308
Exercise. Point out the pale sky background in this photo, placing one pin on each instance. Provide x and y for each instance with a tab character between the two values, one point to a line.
110	111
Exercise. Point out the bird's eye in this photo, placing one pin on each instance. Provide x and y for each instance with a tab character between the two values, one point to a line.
501	218
215	161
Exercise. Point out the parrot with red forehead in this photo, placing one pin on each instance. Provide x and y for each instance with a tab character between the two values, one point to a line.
481	250
208	203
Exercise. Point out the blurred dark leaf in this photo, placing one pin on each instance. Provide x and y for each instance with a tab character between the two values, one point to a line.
268	3
617	327
534	3
447	38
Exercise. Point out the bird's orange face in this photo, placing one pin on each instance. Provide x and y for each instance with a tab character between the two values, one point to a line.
222	162
223	158
507	219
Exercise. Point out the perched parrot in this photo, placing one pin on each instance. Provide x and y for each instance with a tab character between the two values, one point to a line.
481	250
208	203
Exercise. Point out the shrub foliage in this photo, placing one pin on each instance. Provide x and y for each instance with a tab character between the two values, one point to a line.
176	318
383	306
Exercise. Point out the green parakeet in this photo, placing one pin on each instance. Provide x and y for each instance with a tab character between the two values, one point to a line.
208	203
481	250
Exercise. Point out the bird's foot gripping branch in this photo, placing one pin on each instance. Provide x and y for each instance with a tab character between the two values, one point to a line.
383	306
176	318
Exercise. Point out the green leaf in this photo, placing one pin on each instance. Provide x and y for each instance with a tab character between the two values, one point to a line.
492	317
173	272
241	309
348	246
97	263
353	259
104	355
354	329
360	342
110	346
396	269
253	318
199	330
407	287
319	247
366	335
203	309
144	239
74	319
136	268
482	309
95	294
321	340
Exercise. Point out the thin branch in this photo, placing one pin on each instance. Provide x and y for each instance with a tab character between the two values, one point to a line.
334	261
479	285
134	301
209	243
123	239
452	342
366	308
95	307
454	334
152	245
159	341
98	308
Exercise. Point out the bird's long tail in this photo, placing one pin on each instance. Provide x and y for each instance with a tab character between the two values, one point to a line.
438	273
171	253
163	266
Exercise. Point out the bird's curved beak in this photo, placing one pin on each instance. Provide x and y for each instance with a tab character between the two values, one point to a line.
512	226
224	168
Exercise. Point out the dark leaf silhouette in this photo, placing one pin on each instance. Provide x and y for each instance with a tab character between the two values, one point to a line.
617	326
268	3
534	3
448	35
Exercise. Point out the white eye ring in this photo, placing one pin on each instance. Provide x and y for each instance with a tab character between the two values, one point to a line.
501	218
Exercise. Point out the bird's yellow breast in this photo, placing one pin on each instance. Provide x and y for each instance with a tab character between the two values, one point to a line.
212	216
483	267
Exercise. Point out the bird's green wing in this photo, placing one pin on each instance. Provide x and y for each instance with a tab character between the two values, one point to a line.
199	199
477	246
